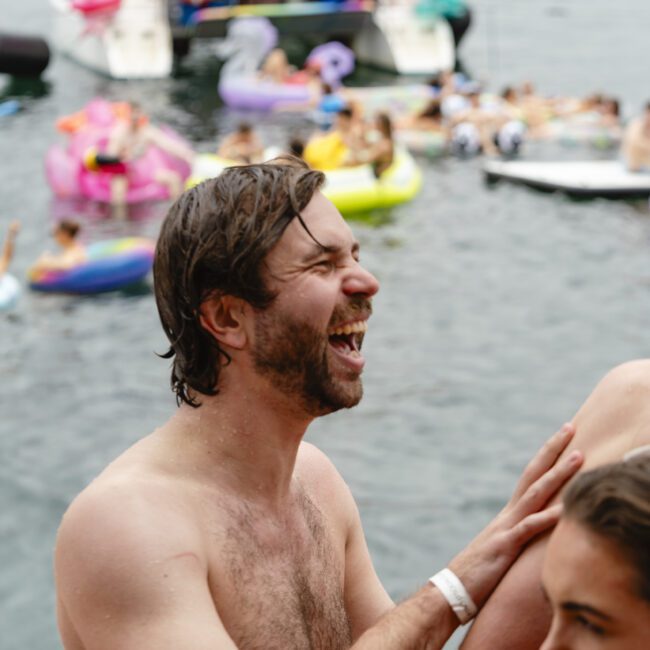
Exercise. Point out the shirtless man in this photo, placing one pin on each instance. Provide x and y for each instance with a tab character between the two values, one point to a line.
222	529
614	421
130	140
636	142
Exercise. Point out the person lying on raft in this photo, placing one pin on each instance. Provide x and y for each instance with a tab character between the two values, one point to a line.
130	140
483	124
9	246
636	143
243	145
605	525
73	252
429	119
378	149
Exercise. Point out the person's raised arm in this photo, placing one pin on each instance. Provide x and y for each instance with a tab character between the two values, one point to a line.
134	576
426	620
9	245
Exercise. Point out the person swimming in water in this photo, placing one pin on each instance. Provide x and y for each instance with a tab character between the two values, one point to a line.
73	252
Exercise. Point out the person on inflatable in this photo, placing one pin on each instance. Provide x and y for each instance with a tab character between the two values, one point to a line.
72	254
129	141
636	143
276	67
9	247
379	147
332	149
243	145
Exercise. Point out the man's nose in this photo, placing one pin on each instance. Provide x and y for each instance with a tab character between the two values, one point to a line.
359	281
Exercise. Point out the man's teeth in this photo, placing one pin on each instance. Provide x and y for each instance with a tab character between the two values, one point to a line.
358	327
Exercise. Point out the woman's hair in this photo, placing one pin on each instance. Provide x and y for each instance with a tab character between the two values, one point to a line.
385	124
614	501
213	242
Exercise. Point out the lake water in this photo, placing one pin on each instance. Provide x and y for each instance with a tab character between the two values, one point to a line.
499	310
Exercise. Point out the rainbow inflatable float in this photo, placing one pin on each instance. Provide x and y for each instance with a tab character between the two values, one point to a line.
111	265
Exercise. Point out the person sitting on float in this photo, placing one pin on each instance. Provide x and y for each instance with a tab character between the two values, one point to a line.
636	143
596	571
243	145
276	67
9	247
129	140
379	147
332	149
73	252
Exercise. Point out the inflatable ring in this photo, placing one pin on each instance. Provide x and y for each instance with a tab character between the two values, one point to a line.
111	265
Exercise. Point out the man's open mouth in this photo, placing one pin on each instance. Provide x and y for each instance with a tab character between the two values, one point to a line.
348	338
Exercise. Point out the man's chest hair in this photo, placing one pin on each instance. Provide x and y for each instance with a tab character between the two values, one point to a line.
285	582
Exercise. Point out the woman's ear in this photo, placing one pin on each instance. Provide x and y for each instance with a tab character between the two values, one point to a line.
223	317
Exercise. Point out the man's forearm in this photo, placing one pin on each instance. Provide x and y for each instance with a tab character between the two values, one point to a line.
423	622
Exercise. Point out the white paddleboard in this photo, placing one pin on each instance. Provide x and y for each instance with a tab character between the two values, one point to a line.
606	178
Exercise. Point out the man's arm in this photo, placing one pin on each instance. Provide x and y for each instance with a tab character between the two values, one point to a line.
125	585
613	420
426	620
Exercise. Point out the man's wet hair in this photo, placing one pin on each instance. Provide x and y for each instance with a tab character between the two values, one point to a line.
244	128
345	112
213	242
613	501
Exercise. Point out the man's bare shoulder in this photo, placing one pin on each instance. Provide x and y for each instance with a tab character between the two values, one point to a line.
130	514
614	419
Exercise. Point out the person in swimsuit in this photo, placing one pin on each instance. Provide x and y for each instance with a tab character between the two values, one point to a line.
129	141
596	571
242	146
72	252
636	143
379	147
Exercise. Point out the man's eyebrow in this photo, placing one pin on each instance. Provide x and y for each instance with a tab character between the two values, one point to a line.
318	249
571	606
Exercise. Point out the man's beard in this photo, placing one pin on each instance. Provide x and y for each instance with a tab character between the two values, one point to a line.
293	356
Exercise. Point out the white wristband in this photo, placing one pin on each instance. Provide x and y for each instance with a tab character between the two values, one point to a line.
449	585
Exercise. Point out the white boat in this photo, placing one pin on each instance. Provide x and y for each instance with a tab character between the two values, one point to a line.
593	178
134	42
397	39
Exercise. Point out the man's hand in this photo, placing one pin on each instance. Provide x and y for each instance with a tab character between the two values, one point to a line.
484	562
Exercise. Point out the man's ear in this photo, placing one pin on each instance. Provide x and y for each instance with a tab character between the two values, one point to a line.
223	317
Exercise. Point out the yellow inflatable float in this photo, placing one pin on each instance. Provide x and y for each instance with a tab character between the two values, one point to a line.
353	190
